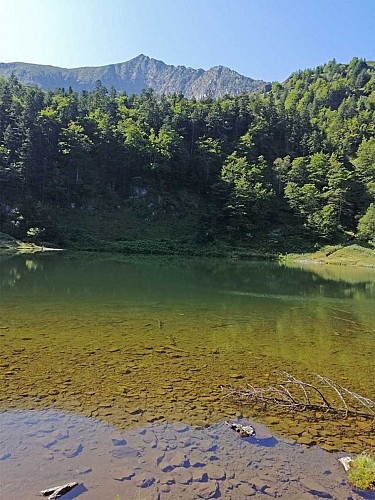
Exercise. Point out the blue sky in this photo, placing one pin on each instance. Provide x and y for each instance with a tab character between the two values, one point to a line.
265	39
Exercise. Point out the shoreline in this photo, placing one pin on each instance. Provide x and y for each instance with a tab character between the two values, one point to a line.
351	255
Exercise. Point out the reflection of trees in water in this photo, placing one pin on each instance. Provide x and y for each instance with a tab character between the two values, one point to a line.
9	276
183	277
351	275
12	270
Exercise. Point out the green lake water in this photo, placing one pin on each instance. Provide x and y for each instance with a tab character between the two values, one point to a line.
135	340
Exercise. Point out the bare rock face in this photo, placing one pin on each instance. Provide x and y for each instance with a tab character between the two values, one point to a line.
136	75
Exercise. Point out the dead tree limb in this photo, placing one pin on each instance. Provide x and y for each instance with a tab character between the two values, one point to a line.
296	395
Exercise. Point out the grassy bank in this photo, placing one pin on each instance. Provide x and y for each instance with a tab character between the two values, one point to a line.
352	255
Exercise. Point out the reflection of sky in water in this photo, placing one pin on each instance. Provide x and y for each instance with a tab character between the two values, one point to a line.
172	460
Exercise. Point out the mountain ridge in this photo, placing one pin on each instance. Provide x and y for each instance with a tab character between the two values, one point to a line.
135	75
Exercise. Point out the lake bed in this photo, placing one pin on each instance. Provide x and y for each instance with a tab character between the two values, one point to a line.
134	341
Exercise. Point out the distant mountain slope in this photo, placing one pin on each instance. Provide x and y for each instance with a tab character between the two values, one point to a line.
136	75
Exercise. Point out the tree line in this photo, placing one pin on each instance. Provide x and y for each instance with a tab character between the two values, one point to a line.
297	160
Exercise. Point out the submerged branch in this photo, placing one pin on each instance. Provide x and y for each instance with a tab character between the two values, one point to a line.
295	395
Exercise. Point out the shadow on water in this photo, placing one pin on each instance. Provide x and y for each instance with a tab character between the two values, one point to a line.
78	491
158	461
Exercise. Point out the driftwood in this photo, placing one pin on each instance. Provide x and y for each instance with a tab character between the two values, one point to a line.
58	491
295	395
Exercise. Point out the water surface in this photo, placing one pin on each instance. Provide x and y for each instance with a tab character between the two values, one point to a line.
41	449
132	340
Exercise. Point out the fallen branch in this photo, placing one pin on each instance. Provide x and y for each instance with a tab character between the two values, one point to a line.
58	491
295	395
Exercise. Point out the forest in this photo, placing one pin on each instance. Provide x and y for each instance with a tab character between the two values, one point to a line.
287	169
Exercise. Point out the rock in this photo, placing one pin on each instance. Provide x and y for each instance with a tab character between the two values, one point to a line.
169	480
181	427
247	490
182	476
242	430
296	430
153	456
271	492
119	442
165	488
196	460
315	488
179	460
206	490
259	484
166	466
200	476
74	452
307	440
144	481
122	473
125	452
215	472
207	445
81	472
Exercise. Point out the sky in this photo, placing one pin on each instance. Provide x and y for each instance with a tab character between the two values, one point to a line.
263	39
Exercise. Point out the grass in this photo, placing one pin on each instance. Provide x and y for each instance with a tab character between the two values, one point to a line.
351	255
362	471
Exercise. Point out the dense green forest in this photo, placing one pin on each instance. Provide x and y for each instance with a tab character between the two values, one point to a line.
283	170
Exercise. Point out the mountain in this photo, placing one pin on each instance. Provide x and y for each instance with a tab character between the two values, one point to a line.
135	75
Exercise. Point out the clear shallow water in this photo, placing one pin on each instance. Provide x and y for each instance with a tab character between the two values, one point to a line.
41	449
137	340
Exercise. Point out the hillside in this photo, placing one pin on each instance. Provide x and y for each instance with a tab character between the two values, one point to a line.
291	169
136	75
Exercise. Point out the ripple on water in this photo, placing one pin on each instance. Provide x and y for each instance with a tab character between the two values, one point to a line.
40	449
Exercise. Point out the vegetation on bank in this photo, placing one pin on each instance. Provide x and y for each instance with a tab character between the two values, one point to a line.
352	255
362	471
12	246
291	169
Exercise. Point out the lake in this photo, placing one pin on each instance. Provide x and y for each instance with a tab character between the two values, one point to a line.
136	341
